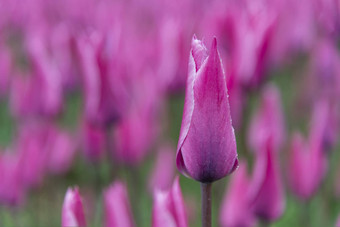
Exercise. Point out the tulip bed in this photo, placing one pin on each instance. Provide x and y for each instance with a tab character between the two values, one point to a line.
95	96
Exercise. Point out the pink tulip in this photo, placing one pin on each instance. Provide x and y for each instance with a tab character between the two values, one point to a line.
135	133
163	171
72	214
11	184
266	187
117	207
207	147
33	155
61	150
93	141
305	168
106	95
48	77
267	121
236	206
168	208
5	70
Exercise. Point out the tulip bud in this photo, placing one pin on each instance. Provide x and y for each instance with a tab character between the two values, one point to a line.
266	189
93	141
236	209
117	209
72	211
206	148
164	170
267	121
168	208
305	168
11	185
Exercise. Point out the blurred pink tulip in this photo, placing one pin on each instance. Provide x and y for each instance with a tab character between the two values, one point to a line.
48	77
206	148
302	30
33	155
61	150
105	89
11	184
266	187
236	206
163	171
93	141
5	70
169	208
117	211
268	121
305	168
72	214
136	132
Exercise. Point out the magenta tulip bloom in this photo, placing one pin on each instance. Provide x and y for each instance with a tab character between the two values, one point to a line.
164	170
207	146
236	209
72	211
93	141
11	185
305	168
61	149
266	189
168	208
117	209
267	121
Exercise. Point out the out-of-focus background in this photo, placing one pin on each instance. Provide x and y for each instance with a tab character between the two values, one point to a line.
93	90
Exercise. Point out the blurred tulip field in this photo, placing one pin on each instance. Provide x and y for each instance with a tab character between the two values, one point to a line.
113	111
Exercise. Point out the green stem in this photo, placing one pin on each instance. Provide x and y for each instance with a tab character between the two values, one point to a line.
206	204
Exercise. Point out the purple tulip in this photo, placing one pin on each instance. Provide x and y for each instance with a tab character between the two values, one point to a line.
61	150
117	207
11	185
206	148
136	131
5	70
305	168
164	170
48	78
72	214
169	208
236	206
33	155
266	189
267	121
106	95
93	141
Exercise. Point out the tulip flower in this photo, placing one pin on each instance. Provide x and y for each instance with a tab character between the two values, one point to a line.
206	148
169	208
164	170
105	91
72	214
33	155
236	206
61	150
5	70
93	141
136	132
117	211
305	168
11	185
267	121
266	186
